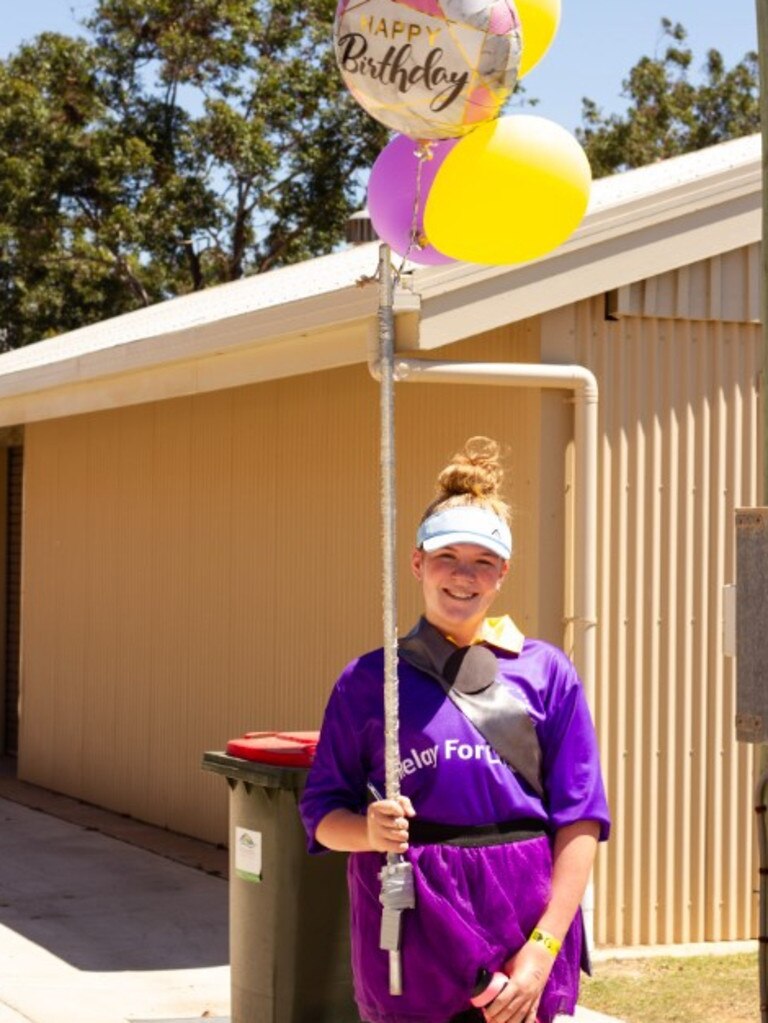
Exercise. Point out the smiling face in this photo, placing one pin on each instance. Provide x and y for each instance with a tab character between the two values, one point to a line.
459	583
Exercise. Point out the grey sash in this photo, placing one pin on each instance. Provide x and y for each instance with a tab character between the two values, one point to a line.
468	676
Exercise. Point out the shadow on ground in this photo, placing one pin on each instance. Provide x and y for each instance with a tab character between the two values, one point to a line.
102	905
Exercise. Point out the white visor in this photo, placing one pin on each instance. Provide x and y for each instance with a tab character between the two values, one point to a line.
465	524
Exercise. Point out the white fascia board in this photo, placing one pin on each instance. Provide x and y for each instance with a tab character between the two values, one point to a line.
235	366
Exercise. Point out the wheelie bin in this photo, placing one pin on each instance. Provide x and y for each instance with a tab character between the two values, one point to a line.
289	926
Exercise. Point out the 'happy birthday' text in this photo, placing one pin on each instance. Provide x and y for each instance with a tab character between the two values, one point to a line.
396	68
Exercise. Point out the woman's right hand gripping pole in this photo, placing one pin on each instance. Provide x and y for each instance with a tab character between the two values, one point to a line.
387	824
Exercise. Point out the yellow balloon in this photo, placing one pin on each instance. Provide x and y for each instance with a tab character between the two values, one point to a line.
539	20
510	191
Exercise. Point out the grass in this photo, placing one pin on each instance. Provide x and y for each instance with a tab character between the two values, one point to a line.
700	989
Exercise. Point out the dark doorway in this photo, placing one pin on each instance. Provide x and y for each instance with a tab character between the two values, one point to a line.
11	623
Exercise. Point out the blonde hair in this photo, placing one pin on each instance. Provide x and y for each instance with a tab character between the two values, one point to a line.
472	477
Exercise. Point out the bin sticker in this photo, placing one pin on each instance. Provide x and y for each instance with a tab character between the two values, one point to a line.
248	854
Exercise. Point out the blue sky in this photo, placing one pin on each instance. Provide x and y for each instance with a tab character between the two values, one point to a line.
598	42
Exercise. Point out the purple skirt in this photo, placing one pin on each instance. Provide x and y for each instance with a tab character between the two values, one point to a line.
475	907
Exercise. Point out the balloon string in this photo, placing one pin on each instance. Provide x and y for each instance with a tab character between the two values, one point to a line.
416	239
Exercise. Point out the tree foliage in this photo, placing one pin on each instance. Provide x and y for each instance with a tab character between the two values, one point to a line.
179	144
668	114
184	143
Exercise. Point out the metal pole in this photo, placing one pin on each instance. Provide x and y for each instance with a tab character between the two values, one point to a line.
388	517
762	758
397	874
762	43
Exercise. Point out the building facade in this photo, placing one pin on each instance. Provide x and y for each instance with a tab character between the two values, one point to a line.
199	531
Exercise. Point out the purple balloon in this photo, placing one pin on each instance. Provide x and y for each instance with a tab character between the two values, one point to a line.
392	195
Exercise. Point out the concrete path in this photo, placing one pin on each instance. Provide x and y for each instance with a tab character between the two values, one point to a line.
93	930
99	929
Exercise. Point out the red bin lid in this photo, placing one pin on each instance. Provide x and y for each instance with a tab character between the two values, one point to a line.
289	749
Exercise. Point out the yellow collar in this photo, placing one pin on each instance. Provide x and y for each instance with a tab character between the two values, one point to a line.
500	632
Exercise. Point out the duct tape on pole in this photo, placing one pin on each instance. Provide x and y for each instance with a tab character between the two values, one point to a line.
397	892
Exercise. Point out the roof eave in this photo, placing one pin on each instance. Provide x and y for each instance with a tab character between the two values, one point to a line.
642	224
302	337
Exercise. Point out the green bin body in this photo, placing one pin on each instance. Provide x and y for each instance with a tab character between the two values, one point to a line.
288	930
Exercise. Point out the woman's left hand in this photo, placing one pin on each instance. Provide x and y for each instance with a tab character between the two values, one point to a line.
528	971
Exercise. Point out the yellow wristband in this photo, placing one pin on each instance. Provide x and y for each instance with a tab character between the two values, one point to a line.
549	941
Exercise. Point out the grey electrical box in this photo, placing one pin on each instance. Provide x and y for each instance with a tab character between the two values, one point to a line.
752	624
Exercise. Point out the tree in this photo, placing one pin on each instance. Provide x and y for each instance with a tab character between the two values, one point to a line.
668	114
181	143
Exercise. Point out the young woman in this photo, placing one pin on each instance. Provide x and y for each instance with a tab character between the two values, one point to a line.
502	802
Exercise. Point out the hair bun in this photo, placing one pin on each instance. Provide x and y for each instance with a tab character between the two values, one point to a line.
475	471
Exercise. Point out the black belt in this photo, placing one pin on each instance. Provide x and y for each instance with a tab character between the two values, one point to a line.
421	832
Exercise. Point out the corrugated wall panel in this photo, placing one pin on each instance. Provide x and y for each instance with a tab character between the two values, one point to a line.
199	567
679	452
726	287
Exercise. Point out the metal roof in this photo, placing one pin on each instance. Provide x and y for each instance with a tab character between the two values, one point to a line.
319	314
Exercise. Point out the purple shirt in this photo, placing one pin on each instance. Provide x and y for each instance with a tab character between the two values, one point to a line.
447	768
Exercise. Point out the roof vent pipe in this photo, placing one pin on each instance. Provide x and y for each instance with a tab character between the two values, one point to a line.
359	229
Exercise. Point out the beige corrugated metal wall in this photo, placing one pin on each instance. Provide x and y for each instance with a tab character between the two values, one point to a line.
679	451
726	287
199	567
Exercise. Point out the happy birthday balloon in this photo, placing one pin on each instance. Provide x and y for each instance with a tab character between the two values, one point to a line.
431	69
511	191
